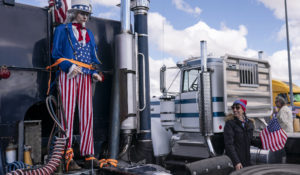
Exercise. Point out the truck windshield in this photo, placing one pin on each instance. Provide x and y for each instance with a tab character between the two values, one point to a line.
190	82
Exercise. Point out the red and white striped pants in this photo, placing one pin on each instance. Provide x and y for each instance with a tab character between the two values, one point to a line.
78	89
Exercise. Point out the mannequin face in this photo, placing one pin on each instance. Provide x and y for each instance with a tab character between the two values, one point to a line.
82	17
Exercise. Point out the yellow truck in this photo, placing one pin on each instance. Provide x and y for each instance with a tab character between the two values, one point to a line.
281	88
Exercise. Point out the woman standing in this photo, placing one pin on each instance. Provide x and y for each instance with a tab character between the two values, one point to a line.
238	133
284	116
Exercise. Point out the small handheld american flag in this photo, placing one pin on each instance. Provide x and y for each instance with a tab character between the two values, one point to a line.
60	10
273	137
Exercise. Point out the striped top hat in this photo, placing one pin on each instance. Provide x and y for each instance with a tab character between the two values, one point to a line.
81	5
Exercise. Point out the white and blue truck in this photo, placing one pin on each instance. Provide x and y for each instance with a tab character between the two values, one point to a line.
187	126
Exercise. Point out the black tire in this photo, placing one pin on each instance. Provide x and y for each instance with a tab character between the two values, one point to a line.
269	169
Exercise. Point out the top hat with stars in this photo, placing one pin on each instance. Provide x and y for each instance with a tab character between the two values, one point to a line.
81	5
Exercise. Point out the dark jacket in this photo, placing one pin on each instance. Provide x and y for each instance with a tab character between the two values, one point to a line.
238	139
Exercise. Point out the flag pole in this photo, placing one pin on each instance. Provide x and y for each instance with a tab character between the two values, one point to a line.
289	56
51	9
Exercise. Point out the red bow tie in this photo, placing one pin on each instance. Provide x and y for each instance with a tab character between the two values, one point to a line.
79	27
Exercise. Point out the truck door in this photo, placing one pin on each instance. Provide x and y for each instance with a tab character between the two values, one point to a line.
189	114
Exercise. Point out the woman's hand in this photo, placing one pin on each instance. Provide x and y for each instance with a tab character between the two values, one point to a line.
97	77
238	166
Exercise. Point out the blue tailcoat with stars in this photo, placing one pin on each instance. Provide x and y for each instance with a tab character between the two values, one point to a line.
63	49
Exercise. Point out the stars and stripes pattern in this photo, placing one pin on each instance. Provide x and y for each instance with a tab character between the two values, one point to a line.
78	89
60	10
82	7
273	137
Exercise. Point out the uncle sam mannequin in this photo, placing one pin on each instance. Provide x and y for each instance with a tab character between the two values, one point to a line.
76	45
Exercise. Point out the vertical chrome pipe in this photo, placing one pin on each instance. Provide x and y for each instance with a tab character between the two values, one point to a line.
203	55
163	79
206	119
122	60
260	54
210	146
125	16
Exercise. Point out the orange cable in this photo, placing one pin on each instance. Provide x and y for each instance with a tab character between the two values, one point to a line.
69	156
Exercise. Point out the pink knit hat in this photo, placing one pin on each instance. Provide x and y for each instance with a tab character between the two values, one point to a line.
241	102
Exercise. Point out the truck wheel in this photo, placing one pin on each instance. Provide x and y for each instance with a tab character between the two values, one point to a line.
268	169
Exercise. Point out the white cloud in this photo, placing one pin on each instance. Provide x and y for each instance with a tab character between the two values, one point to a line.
112	14
278	7
182	5
107	3
185	43
293	7
154	71
279	64
294	28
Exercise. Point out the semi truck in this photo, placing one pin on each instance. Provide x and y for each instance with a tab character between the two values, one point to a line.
192	120
187	126
179	133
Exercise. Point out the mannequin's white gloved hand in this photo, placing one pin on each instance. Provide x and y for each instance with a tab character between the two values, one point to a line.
97	77
74	70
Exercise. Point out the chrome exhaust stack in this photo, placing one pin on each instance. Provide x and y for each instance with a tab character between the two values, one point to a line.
260	55
204	100
124	84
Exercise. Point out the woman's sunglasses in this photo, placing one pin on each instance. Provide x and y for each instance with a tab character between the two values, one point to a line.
235	107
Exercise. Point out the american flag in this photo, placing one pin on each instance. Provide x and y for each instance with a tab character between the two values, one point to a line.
60	10
273	137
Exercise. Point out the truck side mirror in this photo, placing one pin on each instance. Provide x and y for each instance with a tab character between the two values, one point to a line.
162	82
179	64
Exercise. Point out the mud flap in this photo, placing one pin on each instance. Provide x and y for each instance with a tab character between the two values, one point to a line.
220	165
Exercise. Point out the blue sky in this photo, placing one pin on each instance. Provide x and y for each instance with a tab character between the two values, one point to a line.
260	22
240	27
232	13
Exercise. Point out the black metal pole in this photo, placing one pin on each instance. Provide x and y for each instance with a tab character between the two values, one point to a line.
21	140
1	161
289	56
115	111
